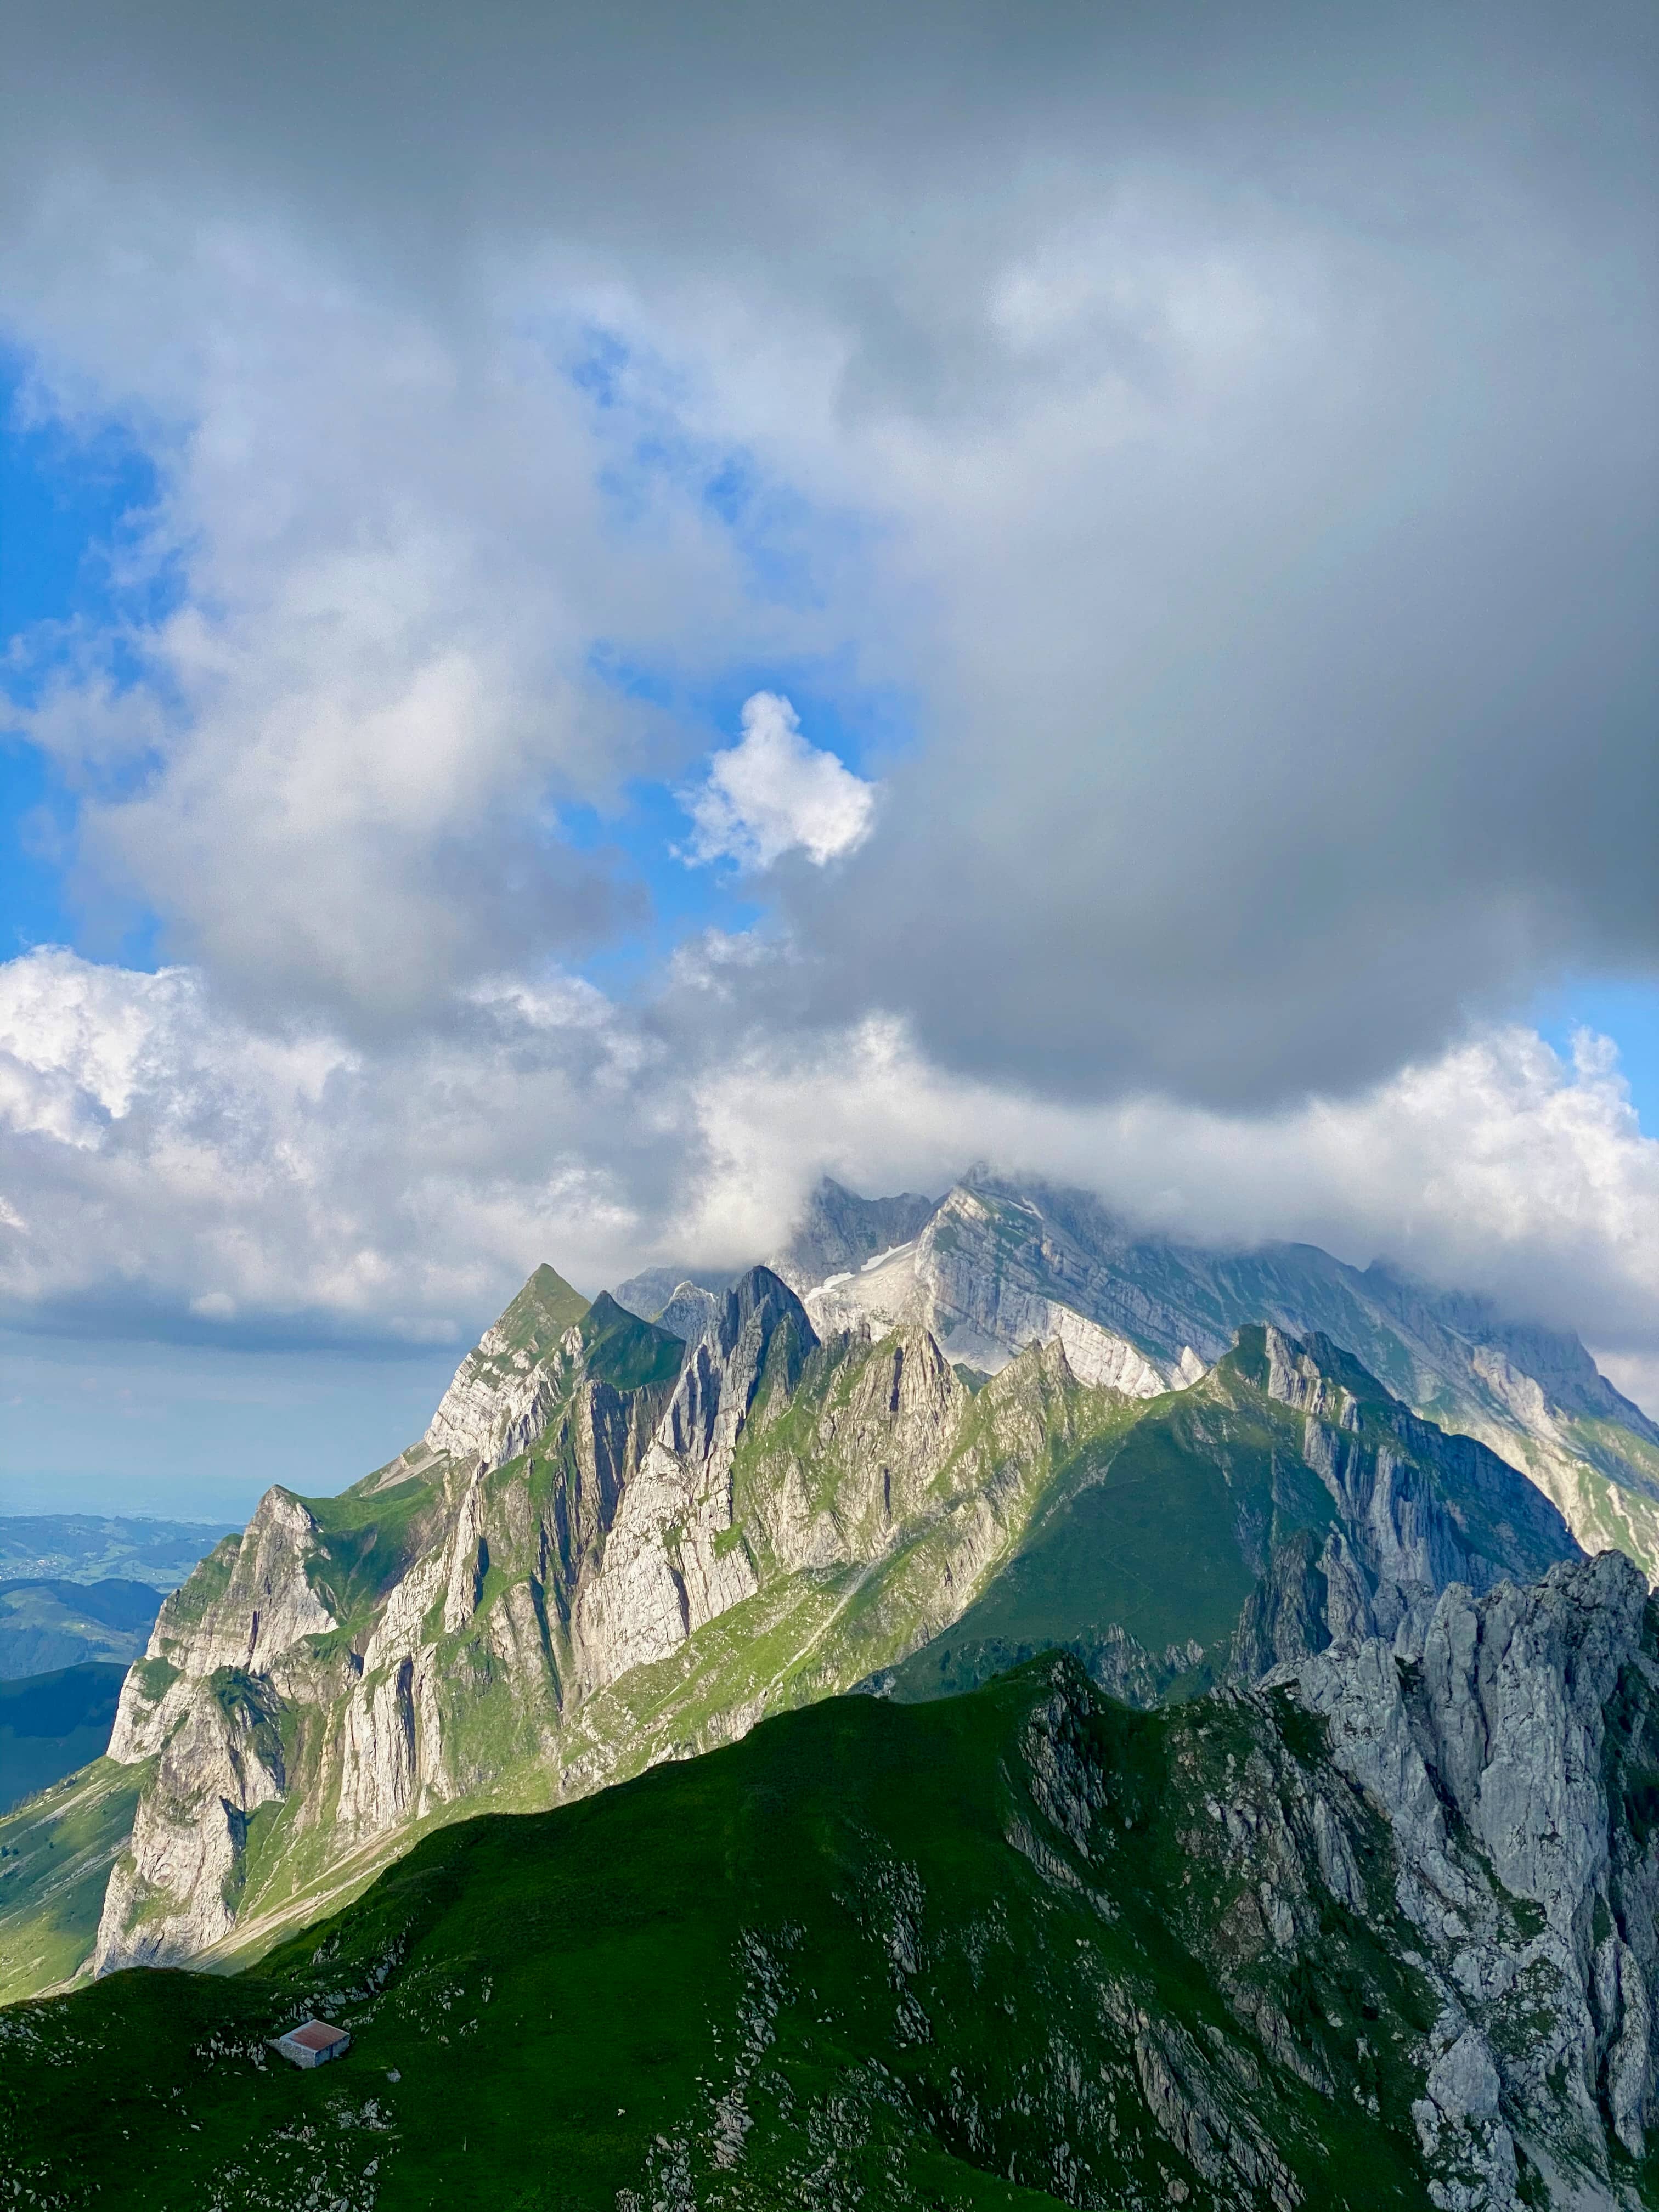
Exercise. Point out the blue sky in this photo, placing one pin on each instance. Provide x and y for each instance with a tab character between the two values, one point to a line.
184	1430
74	502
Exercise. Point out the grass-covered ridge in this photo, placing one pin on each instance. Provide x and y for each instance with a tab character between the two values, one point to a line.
541	1313
987	1952
625	1351
1166	1522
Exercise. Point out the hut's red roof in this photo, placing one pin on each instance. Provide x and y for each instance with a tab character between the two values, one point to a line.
316	2035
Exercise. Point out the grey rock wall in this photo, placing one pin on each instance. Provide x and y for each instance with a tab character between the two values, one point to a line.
1511	1740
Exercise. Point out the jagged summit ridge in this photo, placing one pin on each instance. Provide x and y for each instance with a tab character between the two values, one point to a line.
1001	1261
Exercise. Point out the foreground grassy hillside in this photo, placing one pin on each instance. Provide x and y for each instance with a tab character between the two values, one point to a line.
991	1951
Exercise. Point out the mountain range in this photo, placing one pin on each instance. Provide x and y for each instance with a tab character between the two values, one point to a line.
927	1443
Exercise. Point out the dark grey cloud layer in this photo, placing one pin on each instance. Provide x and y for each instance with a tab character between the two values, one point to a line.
1274	759
1254	405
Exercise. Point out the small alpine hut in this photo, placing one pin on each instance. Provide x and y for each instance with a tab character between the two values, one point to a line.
314	2043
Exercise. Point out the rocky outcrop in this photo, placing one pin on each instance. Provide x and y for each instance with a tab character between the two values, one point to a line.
691	1313
1420	1509
665	1570
838	1232
490	1408
854	1483
1511	1740
982	1311
176	1889
1507	1746
247	1604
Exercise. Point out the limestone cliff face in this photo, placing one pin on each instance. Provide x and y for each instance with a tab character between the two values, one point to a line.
490	1408
1476	1807
665	1571
1420	1509
176	1891
334	1632
861	1476
595	1500
1511	1739
241	1610
690	1314
960	1279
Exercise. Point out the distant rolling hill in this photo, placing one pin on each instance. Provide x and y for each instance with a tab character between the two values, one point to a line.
89	1547
46	1625
50	1725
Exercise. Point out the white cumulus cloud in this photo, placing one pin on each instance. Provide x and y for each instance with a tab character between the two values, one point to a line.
773	793
160	1153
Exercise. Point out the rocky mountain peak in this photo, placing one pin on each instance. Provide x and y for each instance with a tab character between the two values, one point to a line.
541	1313
838	1231
757	1305
493	1386
690	1313
1312	1374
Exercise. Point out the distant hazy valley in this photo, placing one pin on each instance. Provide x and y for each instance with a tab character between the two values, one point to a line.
68	1637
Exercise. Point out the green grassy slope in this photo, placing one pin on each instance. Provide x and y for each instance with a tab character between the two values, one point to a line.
56	1851
949	1955
625	1351
1141	1557
1147	1548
